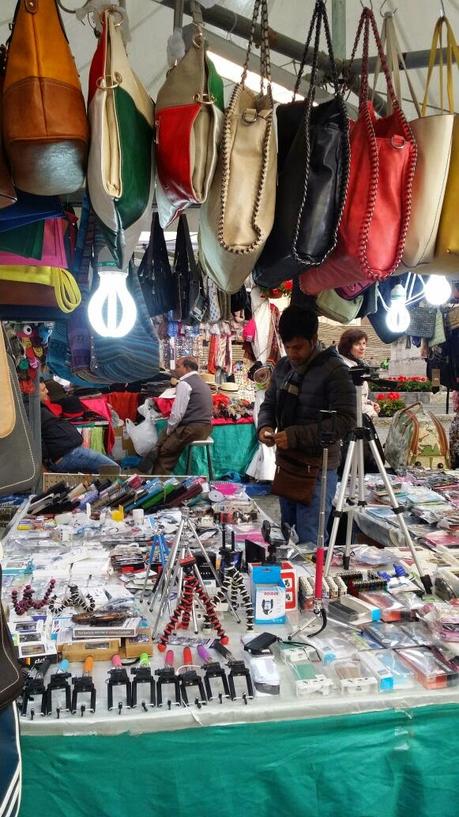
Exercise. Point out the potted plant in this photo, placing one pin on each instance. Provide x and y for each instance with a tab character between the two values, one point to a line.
389	403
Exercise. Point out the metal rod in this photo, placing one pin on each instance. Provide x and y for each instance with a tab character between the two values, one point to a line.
240	26
178	13
339	28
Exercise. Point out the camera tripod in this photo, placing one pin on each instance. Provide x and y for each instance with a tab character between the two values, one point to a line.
355	469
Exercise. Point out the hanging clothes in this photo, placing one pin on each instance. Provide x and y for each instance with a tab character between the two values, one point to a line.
267	348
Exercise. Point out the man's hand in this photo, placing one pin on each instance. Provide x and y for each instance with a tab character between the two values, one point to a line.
281	439
266	436
377	407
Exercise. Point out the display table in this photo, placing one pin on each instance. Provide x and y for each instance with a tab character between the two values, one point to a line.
234	446
390	763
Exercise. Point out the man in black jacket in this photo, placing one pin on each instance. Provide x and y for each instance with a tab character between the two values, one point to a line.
62	444
310	379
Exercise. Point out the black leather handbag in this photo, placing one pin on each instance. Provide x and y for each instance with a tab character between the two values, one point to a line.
313	170
155	275
191	303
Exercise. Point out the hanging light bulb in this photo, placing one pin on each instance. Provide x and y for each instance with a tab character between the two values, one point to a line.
398	317
437	290
111	310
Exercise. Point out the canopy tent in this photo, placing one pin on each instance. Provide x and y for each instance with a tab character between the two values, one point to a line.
151	23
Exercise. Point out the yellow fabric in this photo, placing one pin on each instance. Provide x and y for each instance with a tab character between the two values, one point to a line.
68	295
8	412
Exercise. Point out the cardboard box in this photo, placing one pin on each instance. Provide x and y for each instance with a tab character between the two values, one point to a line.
102	650
288	576
268	594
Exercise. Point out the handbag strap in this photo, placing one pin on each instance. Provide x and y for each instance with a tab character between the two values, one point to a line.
319	19
260	8
367	21
452	54
395	59
68	296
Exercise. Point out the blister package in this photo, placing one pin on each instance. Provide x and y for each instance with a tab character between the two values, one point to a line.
391	608
430	667
353	679
389	635
402	676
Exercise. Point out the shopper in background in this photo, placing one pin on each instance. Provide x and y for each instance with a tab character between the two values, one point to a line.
454	432
352	347
62	444
308	380
189	421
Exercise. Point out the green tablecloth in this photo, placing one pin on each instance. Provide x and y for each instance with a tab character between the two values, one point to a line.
391	763
233	449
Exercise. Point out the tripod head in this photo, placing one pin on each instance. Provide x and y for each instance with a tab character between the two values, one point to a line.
361	373
327	436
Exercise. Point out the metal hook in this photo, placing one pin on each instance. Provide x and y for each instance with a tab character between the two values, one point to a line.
365	6
390	13
442	9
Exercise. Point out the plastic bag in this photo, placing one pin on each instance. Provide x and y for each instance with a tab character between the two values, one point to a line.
144	436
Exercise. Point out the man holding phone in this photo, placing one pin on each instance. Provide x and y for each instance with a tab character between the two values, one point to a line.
308	380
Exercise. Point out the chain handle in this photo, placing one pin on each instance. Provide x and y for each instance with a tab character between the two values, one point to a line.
225	149
320	18
260	8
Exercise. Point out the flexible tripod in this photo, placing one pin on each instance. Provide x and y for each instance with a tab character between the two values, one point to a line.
172	573
355	469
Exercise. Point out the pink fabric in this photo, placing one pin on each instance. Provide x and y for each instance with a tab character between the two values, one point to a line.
53	252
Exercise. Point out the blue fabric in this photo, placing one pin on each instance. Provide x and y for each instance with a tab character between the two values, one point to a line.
82	459
10	762
306	517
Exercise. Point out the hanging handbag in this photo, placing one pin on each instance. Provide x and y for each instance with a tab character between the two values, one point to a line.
120	165
332	306
45	128
351	291
375	219
313	169
155	274
448	231
188	281
238	215
8	194
422	321
433	136
18	469
189	118
38	286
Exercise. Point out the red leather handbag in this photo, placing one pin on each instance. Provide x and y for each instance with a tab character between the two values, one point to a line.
375	220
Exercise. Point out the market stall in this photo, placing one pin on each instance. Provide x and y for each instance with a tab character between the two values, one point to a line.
202	290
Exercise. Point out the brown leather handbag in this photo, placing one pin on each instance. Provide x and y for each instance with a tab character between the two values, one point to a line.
45	128
294	478
7	192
